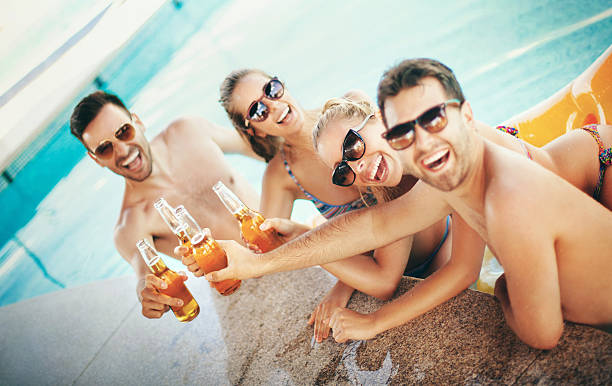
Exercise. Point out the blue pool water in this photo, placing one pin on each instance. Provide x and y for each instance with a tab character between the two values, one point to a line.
59	212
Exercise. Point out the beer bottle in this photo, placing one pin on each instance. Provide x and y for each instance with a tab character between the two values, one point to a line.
207	253
249	219
168	213
176	287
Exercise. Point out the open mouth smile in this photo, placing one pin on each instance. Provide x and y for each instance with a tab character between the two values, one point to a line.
133	161
284	115
437	160
378	170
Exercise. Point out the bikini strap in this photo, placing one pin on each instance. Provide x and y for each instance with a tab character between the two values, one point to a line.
605	155
510	130
294	178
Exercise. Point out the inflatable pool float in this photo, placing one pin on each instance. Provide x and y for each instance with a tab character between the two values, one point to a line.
586	100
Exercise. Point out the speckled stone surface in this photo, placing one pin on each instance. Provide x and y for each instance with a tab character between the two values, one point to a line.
259	335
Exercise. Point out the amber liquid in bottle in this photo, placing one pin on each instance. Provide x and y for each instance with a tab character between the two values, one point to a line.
249	226
207	253
211	257
249	220
176	287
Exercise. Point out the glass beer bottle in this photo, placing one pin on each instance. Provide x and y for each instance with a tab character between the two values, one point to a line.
176	287
168	213
207	253
249	219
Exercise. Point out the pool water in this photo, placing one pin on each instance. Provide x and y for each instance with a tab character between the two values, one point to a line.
59	212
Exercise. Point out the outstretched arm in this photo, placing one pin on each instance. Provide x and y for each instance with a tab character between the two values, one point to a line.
461	271
347	235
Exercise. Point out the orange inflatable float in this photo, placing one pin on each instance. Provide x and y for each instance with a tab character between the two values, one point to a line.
586	100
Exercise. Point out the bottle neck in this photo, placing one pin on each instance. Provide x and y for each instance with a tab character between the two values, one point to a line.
168	214
158	266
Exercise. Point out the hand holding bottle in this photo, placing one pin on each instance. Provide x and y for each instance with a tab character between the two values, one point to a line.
287	229
154	303
242	263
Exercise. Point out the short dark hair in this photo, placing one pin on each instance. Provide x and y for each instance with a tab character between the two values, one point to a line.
88	108
409	73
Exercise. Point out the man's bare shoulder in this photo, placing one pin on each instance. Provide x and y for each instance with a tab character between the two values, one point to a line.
186	131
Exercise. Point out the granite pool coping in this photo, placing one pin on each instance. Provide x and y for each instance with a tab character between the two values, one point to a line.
95	334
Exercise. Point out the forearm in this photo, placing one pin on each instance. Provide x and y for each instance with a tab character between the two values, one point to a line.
332	241
441	286
365	274
343	292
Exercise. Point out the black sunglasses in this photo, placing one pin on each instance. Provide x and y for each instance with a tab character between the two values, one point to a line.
353	148
433	120
105	149
258	111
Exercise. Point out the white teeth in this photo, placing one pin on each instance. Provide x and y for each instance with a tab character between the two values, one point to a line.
283	115
130	159
375	169
434	157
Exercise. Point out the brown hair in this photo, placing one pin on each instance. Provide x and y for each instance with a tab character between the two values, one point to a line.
265	147
88	109
409	73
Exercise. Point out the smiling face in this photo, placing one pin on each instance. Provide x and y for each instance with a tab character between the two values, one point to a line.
440	159
130	159
285	116
379	166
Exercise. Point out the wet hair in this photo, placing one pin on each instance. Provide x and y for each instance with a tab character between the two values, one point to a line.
265	147
88	109
340	108
409	73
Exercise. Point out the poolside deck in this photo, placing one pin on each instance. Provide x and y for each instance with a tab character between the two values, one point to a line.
95	334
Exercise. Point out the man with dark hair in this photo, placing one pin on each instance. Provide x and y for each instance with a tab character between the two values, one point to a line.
180	164
552	240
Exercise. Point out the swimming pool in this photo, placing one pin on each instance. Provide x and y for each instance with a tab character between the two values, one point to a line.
508	57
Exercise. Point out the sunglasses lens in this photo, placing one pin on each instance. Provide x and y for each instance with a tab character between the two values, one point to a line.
104	150
353	146
433	120
258	112
343	175
274	89
400	136
125	133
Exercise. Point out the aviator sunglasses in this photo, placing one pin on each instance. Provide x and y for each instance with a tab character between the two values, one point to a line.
353	148
433	120
258	111
124	133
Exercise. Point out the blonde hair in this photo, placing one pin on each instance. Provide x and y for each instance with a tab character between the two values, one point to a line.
340	108
345	108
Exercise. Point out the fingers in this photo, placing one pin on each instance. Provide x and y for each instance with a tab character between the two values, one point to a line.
221	275
192	266
181	251
321	328
337	326
155	303
153	282
281	225
312	317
